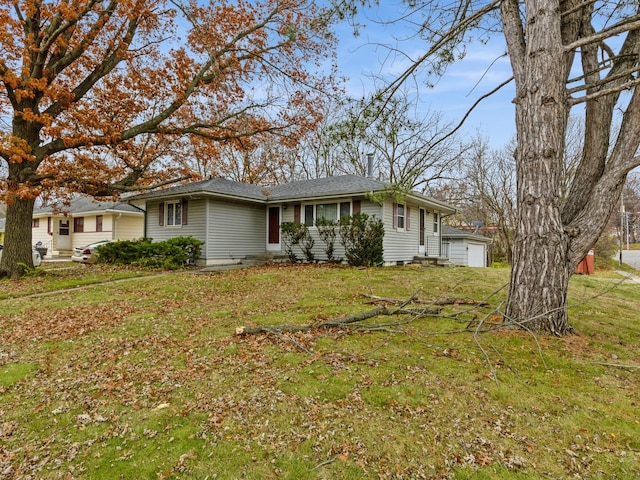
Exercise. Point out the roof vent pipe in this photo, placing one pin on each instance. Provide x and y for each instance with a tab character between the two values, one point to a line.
370	165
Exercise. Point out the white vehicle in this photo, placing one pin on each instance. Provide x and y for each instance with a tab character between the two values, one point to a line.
88	253
37	259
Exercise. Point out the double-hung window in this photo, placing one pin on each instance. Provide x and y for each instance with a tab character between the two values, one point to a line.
174	214
400	221
78	224
436	223
401	217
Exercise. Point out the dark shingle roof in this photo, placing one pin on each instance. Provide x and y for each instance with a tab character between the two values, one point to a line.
86	205
305	189
451	232
320	187
220	186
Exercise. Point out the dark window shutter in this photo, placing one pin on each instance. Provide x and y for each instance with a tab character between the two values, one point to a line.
161	214
395	215
296	213
407	221
185	211
356	207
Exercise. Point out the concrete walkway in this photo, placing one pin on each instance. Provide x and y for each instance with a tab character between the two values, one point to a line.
631	258
629	276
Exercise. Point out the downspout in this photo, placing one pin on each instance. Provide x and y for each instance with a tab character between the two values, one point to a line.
114	234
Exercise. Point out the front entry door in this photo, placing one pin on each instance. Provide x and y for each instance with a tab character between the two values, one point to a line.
422	222
273	233
64	239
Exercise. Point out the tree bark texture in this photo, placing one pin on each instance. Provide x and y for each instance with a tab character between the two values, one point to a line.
554	233
17	241
541	267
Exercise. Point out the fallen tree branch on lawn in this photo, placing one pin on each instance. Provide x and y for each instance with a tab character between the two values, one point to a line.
617	365
438	301
344	320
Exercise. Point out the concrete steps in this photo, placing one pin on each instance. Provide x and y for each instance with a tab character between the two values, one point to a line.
432	260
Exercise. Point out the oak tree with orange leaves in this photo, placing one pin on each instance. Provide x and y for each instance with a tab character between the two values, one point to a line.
99	95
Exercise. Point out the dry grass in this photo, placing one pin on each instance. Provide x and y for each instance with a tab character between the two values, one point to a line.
146	379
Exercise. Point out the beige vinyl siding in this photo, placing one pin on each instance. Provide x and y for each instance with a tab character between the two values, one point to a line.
127	227
114	227
236	230
40	234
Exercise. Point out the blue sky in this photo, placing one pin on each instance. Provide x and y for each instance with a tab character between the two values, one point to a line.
360	59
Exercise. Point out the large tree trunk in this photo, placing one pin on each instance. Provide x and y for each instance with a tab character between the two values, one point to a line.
17	242
541	262
539	283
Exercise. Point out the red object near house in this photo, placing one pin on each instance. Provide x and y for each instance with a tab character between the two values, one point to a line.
586	265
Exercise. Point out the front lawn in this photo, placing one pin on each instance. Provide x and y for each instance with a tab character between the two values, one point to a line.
146	378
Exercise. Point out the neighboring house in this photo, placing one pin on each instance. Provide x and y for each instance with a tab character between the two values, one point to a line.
3	222
62	228
465	248
237	220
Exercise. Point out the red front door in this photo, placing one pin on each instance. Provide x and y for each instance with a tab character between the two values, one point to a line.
274	225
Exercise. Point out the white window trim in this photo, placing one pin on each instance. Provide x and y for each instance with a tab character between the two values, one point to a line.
403	216
166	214
303	211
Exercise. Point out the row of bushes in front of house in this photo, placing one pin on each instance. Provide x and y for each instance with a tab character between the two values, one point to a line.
361	236
169	254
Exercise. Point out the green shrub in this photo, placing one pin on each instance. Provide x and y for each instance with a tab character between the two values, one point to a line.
328	230
293	233
169	254
361	236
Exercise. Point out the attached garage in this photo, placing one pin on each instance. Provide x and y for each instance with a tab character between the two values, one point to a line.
465	248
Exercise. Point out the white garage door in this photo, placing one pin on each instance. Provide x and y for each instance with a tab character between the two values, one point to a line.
477	255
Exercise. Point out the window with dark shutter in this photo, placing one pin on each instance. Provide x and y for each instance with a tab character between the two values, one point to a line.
296	213
185	208
399	216
356	207
161	214
394	214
